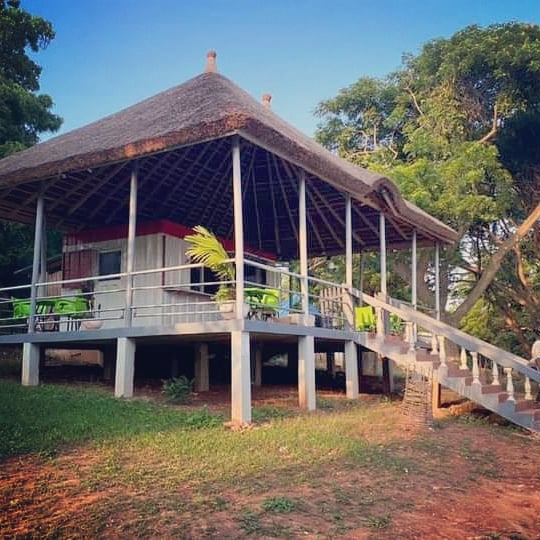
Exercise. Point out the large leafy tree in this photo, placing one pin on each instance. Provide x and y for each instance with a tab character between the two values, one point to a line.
435	127
24	113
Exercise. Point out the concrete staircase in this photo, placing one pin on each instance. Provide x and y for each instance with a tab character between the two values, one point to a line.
495	379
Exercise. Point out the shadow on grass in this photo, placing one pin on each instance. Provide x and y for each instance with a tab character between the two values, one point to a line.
43	419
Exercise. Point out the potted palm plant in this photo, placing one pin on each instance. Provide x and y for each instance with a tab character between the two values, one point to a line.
206	249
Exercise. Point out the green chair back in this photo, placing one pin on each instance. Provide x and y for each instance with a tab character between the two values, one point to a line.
365	318
71	306
21	308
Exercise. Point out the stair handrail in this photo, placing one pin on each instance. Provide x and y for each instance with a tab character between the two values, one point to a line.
470	343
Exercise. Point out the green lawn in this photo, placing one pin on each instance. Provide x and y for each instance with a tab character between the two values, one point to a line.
77	463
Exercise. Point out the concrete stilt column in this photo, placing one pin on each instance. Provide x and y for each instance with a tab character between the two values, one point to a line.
30	364
125	368
202	379
388	376
257	379
351	370
306	372
240	378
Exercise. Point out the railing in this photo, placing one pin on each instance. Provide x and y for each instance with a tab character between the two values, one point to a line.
485	363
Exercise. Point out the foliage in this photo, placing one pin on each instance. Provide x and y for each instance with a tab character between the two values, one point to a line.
178	389
23	113
450	127
206	249
279	505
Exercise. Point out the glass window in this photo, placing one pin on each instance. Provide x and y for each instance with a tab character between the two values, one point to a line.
110	262
200	279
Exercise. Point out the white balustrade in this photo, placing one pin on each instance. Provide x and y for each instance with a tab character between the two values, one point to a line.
434	344
509	384
463	359
475	368
528	393
495	372
442	350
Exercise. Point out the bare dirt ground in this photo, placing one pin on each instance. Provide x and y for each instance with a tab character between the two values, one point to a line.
459	480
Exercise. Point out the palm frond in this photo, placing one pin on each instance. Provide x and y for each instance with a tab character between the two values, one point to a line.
206	249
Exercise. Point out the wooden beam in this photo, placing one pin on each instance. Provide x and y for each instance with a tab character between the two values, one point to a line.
95	189
334	213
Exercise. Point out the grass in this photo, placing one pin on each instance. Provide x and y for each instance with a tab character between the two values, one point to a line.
45	418
73	459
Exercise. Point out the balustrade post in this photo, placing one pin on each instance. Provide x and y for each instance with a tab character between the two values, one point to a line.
442	352
509	384
463	358
381	330
528	393
475	368
434	344
495	371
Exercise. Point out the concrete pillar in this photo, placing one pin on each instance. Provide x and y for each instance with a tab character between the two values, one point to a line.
257	379
388	376
202	379
240	378
125	368
351	370
30	364
306	372
435	393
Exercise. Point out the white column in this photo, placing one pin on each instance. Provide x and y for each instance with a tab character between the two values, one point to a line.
240	378
348	242
238	228
414	269
36	262
130	259
351	370
306	372
43	263
437	282
202	379
125	368
30	364
302	241
382	247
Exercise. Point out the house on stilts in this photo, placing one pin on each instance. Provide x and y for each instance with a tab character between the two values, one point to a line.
127	190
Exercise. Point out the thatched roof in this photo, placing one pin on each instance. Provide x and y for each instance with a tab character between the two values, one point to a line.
180	138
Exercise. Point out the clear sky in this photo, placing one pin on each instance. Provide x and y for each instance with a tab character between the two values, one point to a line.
109	54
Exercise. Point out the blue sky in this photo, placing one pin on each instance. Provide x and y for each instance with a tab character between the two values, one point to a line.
109	54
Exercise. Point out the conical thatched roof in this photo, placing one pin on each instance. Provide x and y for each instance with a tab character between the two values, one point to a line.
206	108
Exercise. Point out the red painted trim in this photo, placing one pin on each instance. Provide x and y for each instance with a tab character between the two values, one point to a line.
163	226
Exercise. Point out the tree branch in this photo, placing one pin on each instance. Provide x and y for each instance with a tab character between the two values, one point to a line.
415	102
494	127
489	272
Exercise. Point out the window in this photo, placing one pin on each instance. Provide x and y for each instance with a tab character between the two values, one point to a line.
254	275
197	280
109	262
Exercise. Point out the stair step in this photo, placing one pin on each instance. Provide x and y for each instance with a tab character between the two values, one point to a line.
491	389
527	404
534	413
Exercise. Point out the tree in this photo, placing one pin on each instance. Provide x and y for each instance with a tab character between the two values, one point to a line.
24	113
433	126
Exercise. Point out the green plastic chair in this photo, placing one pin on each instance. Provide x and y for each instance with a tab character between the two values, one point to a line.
72	306
365	318
21	308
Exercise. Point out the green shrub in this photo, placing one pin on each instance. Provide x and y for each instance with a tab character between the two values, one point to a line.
280	505
178	389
